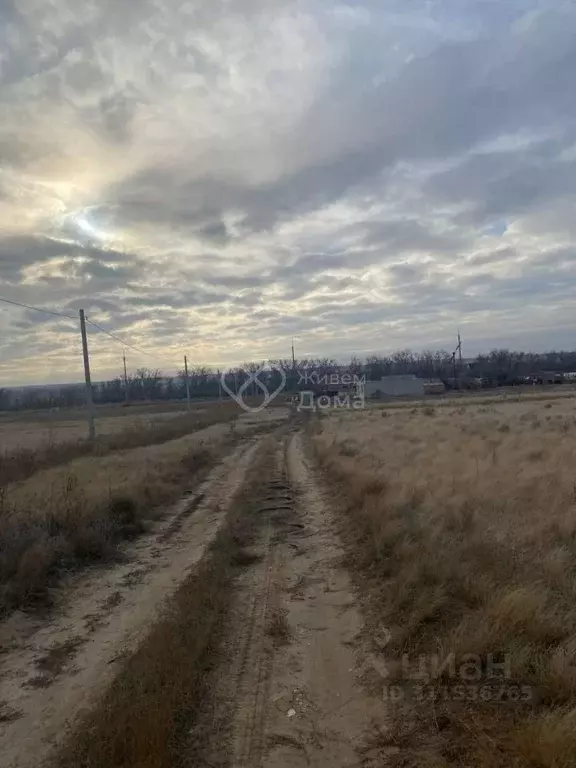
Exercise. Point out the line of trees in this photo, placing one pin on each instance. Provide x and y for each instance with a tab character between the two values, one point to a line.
497	368
500	367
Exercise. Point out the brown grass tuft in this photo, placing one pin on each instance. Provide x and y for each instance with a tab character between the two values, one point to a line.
278	628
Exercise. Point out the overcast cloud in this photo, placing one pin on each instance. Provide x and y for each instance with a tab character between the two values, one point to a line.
216	177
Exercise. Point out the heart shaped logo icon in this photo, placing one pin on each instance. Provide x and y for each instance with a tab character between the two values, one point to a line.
254	379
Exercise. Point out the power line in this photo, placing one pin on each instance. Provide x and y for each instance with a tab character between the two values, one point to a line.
70	317
120	341
37	309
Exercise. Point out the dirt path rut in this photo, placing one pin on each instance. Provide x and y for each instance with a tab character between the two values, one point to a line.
291	684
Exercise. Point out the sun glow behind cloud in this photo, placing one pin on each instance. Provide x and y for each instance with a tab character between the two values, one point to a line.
85	227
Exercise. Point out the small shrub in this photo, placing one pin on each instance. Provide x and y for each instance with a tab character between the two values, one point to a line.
278	628
122	510
198	458
92	542
375	486
29	583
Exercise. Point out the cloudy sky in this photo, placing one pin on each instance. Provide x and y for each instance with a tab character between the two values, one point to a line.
218	176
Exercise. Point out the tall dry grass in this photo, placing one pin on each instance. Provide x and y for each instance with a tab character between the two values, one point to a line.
69	515
462	524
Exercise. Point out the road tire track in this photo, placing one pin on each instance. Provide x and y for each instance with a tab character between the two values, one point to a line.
288	693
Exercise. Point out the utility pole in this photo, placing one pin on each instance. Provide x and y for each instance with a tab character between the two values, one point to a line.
89	400
459	351
125	378
187	382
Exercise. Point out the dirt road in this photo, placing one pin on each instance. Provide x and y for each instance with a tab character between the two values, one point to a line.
289	694
285	683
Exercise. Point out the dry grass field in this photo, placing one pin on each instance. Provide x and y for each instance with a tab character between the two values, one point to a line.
461	522
47	439
37	429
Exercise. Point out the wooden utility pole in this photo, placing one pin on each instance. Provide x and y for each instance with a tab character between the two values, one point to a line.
187	382
89	400
125	378
459	351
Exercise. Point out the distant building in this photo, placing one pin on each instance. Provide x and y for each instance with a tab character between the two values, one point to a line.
395	386
547	377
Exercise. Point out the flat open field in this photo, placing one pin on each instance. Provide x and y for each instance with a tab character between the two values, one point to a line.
38	429
387	588
35	429
506	403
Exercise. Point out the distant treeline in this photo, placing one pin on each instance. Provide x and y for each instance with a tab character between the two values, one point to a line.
500	367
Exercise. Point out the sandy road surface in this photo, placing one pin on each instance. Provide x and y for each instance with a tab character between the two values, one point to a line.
51	671
289	693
